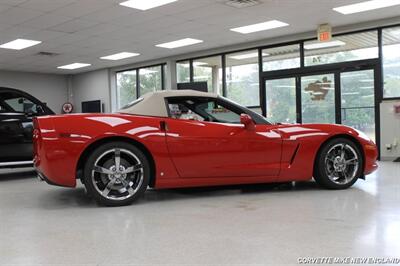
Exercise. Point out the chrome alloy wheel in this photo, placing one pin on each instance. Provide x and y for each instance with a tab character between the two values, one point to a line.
341	163
117	174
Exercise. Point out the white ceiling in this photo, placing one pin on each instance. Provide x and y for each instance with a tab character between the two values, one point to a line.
84	30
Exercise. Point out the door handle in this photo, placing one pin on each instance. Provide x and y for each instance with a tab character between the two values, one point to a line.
163	126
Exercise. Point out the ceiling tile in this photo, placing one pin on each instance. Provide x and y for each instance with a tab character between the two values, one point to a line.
109	13
45	5
68	38
82	7
15	32
13	2
46	21
17	15
4	7
73	26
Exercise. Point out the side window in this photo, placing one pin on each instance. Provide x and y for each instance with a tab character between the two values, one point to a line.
19	104
201	109
180	111
218	113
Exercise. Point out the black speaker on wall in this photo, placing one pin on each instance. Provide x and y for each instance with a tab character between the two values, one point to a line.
197	86
91	107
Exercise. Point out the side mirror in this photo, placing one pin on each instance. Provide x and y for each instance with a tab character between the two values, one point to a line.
247	121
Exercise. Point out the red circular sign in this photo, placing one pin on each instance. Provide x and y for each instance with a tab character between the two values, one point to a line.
67	108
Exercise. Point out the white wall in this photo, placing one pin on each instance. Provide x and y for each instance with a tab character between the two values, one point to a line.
49	88
91	86
390	130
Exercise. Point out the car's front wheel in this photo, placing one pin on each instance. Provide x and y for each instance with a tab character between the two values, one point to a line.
116	174
339	164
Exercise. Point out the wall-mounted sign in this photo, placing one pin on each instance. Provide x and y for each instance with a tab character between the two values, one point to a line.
67	108
319	89
324	33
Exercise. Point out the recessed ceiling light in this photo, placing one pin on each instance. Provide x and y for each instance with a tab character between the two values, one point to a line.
74	66
246	56
146	4
268	25
19	44
179	43
119	56
366	6
321	45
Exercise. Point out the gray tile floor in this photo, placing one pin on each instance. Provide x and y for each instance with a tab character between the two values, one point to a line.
250	225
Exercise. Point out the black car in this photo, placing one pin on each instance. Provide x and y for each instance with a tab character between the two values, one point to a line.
17	108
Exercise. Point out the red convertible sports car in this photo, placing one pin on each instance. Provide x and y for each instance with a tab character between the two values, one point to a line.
186	138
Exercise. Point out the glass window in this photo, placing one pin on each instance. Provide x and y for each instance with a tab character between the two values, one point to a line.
150	79
183	72
281	100
282	57
19	103
318	99
358	100
126	87
201	110
342	49
242	78
210	70
391	62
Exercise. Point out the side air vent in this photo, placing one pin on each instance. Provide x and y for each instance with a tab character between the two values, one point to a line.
242	3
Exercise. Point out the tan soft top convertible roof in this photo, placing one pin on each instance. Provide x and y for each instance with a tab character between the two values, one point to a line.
153	103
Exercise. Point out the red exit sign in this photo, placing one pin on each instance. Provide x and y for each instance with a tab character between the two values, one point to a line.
324	33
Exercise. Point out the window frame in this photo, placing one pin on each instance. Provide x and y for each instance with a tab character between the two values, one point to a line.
137	88
302	67
231	106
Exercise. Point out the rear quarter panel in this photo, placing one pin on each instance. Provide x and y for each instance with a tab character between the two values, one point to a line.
63	139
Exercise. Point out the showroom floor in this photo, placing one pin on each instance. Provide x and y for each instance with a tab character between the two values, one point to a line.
251	225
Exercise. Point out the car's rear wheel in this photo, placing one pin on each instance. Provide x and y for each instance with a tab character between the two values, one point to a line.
116	174
339	164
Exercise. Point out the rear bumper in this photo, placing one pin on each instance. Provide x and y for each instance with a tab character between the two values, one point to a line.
53	159
42	177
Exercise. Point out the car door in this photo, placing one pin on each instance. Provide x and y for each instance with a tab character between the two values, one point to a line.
205	139
16	126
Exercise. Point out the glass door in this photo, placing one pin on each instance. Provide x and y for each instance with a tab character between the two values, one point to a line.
318	99
281	100
349	102
358	100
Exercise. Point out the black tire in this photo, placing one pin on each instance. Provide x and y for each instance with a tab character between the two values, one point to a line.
110	187
325	167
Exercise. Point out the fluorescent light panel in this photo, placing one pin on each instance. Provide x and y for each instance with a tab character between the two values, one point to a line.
366	6
322	45
119	56
179	43
268	25
146	4
74	66
19	44
246	56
